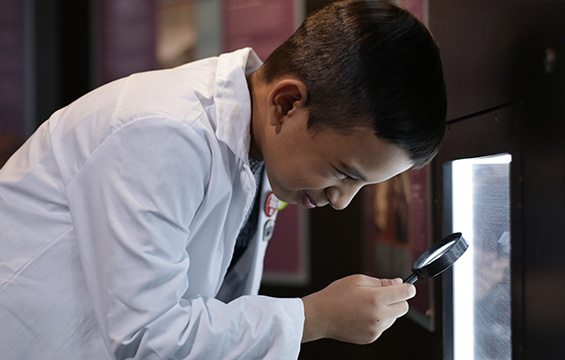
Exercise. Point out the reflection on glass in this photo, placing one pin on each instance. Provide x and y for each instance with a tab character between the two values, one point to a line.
481	279
438	253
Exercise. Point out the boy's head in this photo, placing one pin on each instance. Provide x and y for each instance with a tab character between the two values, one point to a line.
370	64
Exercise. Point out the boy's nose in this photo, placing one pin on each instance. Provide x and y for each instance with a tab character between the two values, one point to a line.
340	198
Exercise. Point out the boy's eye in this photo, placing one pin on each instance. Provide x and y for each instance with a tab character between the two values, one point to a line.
342	175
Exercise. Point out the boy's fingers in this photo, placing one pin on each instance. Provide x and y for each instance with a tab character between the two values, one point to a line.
398	293
400	308
388	282
376	282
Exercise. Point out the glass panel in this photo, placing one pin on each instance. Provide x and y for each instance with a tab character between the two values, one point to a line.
481	279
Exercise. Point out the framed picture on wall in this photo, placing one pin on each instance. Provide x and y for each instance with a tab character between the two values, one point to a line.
187	30
261	24
398	231
287	260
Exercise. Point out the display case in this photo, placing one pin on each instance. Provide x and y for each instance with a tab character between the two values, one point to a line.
481	299
481	198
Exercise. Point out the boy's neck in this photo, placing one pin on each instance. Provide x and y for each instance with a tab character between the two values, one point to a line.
257	94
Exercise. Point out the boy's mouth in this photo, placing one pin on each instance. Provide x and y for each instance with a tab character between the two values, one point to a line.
307	202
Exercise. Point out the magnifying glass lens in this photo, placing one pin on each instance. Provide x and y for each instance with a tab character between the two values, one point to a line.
438	253
438	258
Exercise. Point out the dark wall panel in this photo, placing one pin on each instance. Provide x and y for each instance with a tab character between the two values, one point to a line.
498	53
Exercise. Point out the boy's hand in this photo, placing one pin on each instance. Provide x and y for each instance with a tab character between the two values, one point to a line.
355	309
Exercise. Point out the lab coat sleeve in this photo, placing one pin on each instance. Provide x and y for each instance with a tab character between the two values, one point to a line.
132	203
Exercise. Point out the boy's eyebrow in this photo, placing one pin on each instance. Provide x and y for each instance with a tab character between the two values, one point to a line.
353	171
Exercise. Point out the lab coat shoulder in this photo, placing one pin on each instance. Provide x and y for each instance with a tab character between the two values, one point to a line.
176	95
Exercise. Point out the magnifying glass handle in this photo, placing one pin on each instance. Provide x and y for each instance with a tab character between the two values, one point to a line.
411	279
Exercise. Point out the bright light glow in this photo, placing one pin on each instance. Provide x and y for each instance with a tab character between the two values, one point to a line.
438	253
463	326
463	270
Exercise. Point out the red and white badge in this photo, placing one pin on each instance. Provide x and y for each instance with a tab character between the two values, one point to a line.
273	204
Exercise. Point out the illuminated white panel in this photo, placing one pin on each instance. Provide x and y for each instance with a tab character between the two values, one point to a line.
481	280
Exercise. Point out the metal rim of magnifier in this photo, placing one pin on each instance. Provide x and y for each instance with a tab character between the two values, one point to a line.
443	262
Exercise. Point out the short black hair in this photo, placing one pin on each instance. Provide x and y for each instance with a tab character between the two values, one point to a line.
369	62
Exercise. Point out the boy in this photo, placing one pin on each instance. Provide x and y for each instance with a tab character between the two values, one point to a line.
133	220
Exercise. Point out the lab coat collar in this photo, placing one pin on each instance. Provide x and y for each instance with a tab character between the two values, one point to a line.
233	100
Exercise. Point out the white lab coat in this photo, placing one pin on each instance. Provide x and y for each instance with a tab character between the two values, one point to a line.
118	220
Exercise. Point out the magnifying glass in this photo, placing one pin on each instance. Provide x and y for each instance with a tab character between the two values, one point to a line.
438	258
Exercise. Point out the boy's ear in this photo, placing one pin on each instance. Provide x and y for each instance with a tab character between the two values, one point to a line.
286	97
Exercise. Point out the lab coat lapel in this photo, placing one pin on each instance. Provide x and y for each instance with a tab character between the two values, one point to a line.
245	277
266	225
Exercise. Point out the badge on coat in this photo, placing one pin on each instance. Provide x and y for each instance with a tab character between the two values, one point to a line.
273	204
268	230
